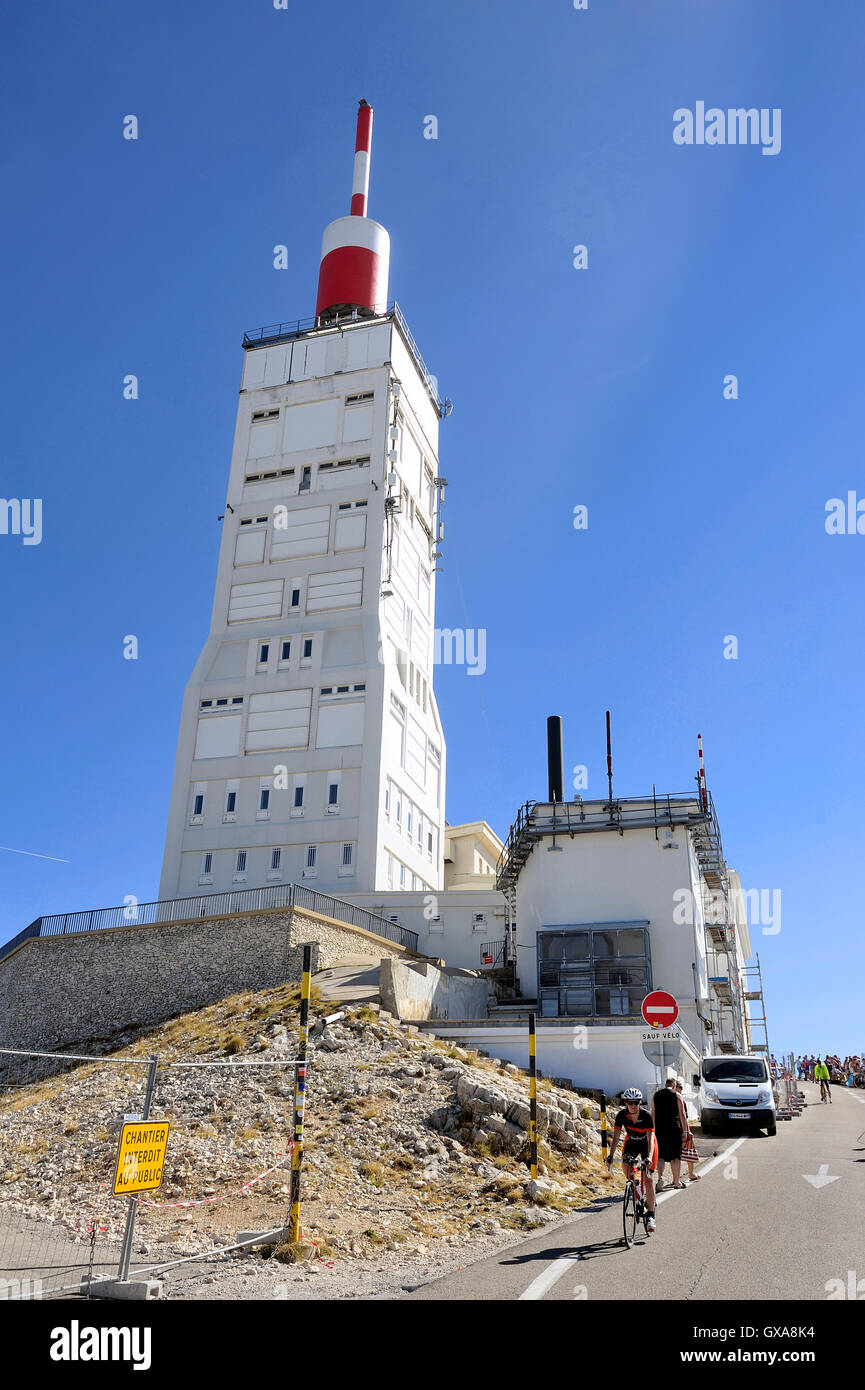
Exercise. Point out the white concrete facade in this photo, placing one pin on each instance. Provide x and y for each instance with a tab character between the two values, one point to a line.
645	880
451	925
310	745
471	854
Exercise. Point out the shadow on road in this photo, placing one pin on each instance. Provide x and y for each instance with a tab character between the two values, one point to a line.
589	1251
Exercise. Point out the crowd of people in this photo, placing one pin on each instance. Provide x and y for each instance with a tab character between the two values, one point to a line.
850	1072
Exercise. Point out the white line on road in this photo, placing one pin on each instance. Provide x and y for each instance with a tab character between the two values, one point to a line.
559	1268
551	1275
725	1153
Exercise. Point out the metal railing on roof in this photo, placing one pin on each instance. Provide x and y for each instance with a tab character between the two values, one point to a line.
537	819
278	895
299	328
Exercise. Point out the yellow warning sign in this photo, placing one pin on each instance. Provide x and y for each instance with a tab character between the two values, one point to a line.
141	1156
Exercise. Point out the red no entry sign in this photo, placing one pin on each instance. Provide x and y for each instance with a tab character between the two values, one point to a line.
660	1009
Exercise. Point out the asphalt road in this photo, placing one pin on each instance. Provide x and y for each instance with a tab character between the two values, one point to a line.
752	1228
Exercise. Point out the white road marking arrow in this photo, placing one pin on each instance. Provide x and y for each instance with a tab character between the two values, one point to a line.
821	1178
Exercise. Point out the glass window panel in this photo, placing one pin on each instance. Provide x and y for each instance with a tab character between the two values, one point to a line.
549	1002
631	942
603	943
576	945
620	972
577	1003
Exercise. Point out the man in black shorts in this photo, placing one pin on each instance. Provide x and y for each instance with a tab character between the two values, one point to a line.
640	1142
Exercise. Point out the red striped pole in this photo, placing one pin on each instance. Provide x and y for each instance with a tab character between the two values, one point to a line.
609	758
704	797
362	150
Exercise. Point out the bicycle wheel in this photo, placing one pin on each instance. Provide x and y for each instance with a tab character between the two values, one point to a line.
629	1213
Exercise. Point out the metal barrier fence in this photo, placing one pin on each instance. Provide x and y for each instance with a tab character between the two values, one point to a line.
278	895
789	1100
60	1115
227	1166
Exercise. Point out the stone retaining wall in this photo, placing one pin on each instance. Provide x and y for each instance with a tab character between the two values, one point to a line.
60	991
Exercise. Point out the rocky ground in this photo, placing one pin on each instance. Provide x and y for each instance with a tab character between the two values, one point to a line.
414	1159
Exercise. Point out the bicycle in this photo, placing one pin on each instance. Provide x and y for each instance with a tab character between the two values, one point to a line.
634	1207
827	1096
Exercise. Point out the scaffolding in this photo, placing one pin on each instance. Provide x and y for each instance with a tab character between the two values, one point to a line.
726	1005
755	1022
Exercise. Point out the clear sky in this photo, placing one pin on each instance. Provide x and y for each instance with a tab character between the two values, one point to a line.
600	386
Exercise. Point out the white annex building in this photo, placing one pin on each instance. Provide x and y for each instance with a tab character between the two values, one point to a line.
310	745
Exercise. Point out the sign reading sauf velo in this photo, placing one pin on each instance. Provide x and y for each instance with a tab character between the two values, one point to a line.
141	1156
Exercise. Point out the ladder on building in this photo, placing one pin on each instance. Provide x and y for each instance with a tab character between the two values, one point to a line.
755	1019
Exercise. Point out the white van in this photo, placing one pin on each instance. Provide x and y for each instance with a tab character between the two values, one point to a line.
735	1093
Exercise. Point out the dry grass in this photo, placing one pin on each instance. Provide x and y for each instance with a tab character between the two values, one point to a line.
373	1171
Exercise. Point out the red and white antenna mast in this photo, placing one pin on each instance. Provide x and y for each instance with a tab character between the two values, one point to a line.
701	777
362	152
355	251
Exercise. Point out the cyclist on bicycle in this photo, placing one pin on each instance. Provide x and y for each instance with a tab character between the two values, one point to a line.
821	1074
640	1142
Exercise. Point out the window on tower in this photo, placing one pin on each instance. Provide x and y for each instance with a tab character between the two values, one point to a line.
198	805
305	477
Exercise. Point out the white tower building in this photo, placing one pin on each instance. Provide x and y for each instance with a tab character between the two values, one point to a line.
310	744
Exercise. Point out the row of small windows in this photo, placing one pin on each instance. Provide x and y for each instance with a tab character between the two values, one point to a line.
400	709
399	875
284	647
407	818
265	793
219	704
359	398
277	862
306	472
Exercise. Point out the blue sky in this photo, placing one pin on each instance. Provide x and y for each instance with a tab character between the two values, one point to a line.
600	387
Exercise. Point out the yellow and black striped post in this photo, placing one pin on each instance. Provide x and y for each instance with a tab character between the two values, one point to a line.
603	1104
533	1101
300	1097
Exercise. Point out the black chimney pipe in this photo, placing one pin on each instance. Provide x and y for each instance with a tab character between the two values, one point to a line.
555	767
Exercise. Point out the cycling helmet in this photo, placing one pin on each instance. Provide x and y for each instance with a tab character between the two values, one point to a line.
632	1093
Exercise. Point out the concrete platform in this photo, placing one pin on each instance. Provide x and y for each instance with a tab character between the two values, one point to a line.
354	980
